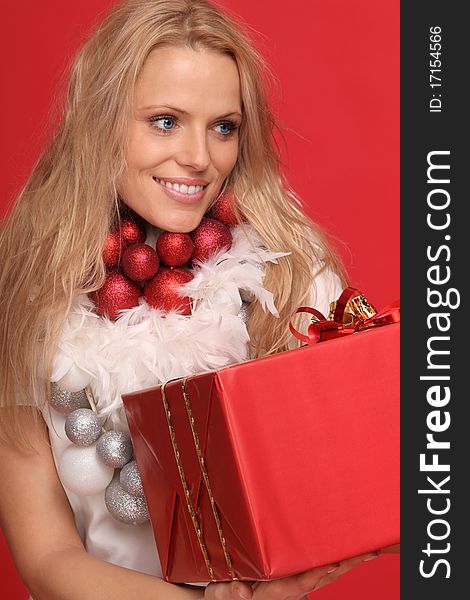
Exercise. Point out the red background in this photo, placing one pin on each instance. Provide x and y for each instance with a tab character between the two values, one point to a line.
338	104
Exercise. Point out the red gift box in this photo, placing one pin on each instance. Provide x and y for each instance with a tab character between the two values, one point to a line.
276	465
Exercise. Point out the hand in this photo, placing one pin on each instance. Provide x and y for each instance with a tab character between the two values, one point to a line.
294	587
233	590
298	586
395	549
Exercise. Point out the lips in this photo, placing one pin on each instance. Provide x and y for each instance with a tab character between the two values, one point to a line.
185	180
181	187
180	196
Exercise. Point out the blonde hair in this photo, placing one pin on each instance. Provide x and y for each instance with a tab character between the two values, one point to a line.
52	241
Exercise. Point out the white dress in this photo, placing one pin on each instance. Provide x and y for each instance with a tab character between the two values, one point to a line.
142	349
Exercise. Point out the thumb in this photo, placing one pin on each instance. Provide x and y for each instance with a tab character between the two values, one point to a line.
235	590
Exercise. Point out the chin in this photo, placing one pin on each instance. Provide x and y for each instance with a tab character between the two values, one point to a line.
183	224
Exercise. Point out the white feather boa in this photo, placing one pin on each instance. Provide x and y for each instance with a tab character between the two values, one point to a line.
145	347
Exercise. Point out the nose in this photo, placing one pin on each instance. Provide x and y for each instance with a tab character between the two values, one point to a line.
194	151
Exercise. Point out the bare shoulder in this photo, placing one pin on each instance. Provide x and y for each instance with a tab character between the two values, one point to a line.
34	512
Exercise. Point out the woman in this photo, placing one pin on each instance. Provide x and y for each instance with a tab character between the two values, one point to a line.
166	113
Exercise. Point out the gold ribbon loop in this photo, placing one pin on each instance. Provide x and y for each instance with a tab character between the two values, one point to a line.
351	313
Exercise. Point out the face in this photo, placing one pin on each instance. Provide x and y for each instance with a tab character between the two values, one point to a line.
183	139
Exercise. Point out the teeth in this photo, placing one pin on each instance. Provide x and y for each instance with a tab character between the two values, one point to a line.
181	188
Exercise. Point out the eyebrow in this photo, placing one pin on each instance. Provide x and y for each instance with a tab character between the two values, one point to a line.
184	112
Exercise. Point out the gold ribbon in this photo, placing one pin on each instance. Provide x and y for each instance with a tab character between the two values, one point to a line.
205	476
192	512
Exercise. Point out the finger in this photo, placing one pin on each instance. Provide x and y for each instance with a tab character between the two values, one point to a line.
344	567
242	590
298	585
332	576
234	590
395	549
357	560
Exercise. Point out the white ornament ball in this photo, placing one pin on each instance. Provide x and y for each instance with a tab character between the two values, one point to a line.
82	472
74	380
83	427
114	449
130	480
123	506
64	401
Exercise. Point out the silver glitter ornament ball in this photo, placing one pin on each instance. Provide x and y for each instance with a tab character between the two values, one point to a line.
123	506
64	401
83	427
130	480
114	448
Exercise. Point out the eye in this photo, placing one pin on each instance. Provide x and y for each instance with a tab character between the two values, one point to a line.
226	128
164	123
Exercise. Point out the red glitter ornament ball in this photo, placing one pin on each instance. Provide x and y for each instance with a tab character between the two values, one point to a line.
174	249
140	262
117	293
222	210
210	237
163	290
132	231
113	248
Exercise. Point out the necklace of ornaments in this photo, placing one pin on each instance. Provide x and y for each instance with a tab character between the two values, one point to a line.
134	269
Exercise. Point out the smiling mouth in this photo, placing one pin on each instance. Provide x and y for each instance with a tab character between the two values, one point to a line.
181	187
182	192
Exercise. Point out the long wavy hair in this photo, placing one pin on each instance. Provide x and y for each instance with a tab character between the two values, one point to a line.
52	241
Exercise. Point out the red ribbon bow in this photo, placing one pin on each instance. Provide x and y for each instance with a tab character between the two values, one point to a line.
323	329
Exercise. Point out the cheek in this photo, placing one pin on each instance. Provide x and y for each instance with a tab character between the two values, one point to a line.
140	157
143	150
130	185
124	190
227	158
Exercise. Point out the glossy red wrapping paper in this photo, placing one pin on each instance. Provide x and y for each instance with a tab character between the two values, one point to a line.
302	454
